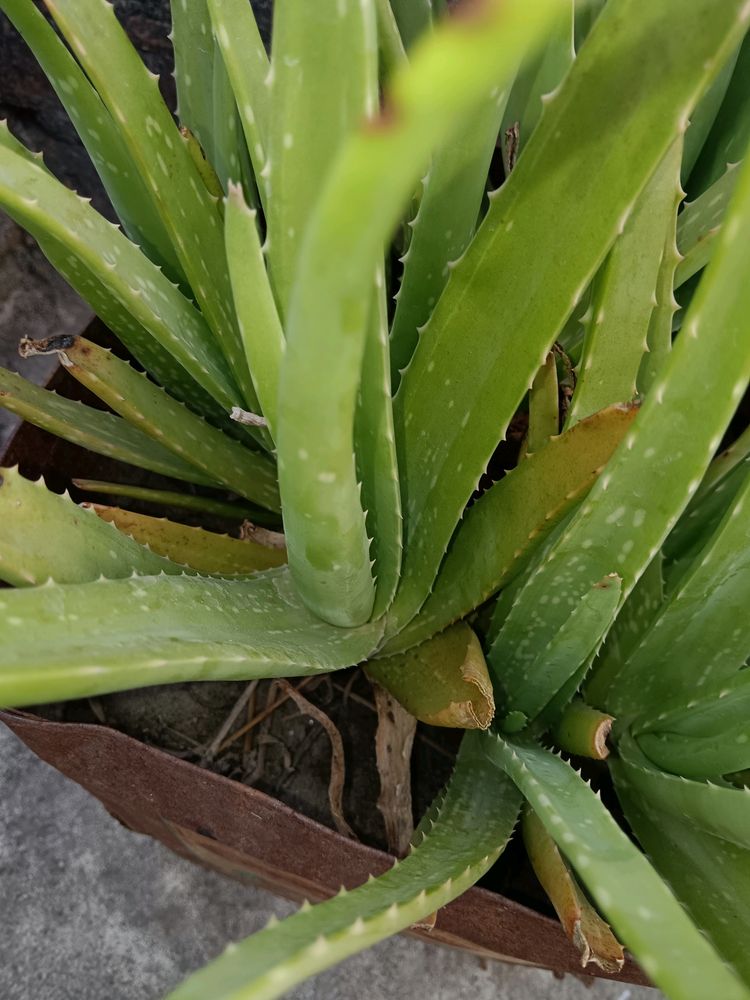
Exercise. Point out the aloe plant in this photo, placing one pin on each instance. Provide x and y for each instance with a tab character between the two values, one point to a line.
345	273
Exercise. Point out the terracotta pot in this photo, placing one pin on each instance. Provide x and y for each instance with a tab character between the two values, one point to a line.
237	830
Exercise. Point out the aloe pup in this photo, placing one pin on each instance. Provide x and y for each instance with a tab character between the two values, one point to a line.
345	273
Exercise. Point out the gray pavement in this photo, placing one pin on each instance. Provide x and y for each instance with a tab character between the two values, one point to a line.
92	911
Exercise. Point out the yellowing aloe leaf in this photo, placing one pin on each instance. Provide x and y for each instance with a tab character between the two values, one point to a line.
590	934
443	682
204	551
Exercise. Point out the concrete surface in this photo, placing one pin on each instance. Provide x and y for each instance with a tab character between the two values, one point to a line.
91	911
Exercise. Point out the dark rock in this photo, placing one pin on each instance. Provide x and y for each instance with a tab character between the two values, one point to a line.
34	112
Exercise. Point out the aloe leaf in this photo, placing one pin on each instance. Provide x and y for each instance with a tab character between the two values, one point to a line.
449	417
583	731
444	224
38	201
544	407
189	213
721	810
710	876
204	551
148	407
641	909
129	196
729	135
443	682
45	536
529	679
536	82
633	621
323	82
228	136
193	46
78	640
623	296
653	474
390	44
699	757
190	501
140	343
413	17
680	652
718	706
358	208
704	114
702	517
584	927
375	447
507	524
659	335
257	316
247	65
699	224
469	832
100	432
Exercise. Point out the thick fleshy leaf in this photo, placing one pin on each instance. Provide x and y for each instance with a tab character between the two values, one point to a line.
204	551
505	302
100	432
359	206
641	908
505	527
150	409
469	831
78	640
443	682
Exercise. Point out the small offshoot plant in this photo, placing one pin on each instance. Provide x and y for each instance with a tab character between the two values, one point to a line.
344	272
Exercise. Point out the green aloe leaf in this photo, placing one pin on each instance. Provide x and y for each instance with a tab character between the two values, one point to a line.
189	213
647	484
79	640
323	76
721	810
728	139
710	876
505	300
682	651
633	621
100	432
718	706
228	135
375	451
704	114
530	680
39	202
642	910
445	222
130	198
623	297
506	526
247	66
257	315
536	82
45	536
359	207
193	45
413	17
699	225
150	409
469	831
